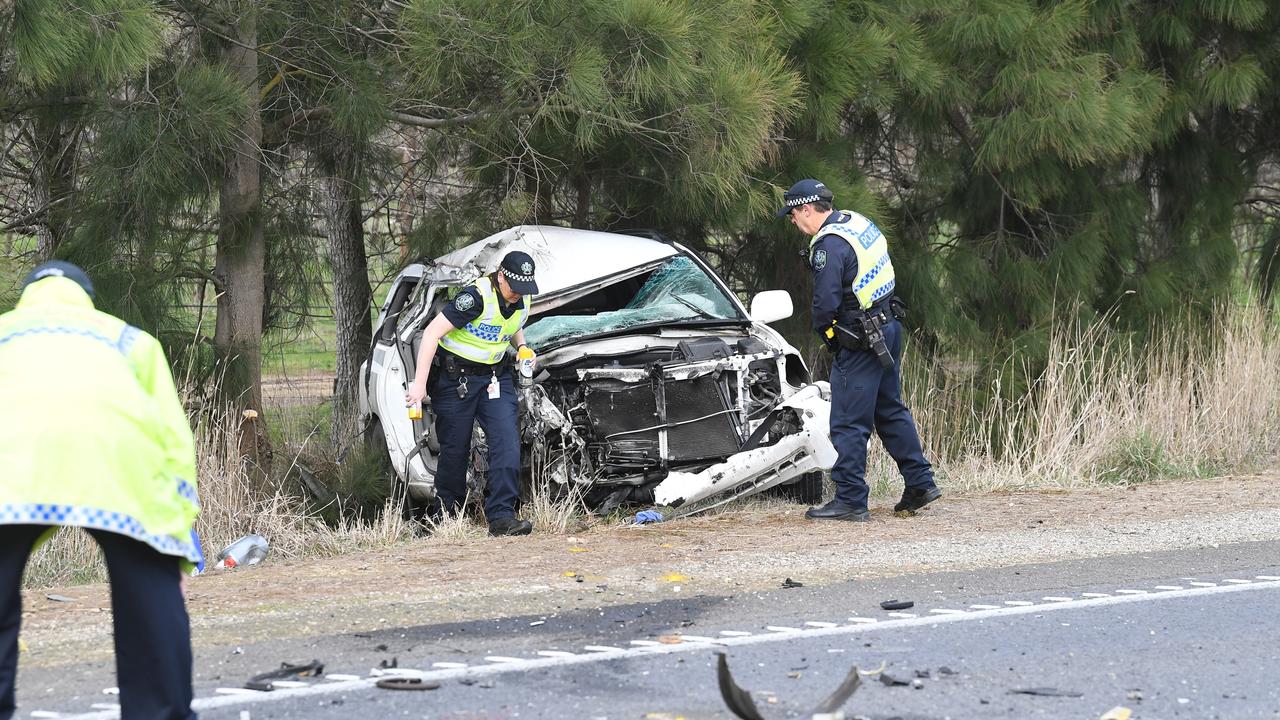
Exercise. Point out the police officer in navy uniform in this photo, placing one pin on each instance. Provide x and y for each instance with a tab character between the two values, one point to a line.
853	284
472	380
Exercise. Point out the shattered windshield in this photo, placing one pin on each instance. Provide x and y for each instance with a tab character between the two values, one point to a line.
677	291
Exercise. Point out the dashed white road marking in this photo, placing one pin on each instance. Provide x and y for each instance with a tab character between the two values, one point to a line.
46	714
1095	595
1269	578
945	611
983	607
1057	598
699	639
781	628
645	643
338	677
448	665
502	659
556	653
902	615
735	633
105	706
1196	583
1168	587
819	624
864	620
1132	592
608	653
1018	603
237	691
1237	581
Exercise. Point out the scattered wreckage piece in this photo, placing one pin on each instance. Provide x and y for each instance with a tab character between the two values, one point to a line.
740	703
403	682
264	681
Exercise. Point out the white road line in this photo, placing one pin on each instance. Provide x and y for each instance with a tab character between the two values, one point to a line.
502	659
1131	592
699	639
448	665
46	714
1019	603
105	706
864	620
1237	581
983	607
1057	598
945	611
603	648
645	643
1195	583
237	691
735	633
209	703
556	653
781	628
1168	587
1269	578
339	677
902	615
818	624
1095	595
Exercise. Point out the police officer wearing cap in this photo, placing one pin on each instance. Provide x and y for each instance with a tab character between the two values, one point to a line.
472	380
853	310
95	436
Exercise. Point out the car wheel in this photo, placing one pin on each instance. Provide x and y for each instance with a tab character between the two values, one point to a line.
805	491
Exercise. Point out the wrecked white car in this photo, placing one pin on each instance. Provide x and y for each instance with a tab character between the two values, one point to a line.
655	386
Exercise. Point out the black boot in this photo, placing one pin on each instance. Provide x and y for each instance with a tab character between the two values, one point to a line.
915	498
509	526
836	510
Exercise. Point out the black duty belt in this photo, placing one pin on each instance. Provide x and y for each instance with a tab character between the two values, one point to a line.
456	366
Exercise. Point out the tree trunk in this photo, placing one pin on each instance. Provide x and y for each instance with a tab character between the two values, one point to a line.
51	191
240	262
352	294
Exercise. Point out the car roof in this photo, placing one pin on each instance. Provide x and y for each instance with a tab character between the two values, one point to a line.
565	257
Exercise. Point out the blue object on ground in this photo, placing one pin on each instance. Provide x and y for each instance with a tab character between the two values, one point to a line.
648	516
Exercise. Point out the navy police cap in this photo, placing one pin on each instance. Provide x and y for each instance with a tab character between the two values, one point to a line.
517	266
59	268
802	193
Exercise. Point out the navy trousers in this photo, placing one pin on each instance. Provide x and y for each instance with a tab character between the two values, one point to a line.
455	417
866	397
152	632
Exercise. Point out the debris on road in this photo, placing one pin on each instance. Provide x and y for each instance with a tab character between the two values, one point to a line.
897	604
248	550
59	598
1046	692
648	516
789	583
893	680
740	703
264	681
407	683
1118	712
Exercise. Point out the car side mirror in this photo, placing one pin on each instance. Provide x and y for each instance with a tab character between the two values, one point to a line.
771	306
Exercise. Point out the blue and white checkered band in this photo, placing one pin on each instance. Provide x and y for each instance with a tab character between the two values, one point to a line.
819	259
797	202
528	277
464	302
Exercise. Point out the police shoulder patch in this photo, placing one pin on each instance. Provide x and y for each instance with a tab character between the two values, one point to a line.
819	259
464	302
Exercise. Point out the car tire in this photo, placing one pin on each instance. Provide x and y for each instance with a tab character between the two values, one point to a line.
807	490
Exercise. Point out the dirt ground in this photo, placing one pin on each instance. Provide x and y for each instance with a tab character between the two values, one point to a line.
740	551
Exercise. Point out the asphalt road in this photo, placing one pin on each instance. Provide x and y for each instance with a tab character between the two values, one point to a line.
1187	634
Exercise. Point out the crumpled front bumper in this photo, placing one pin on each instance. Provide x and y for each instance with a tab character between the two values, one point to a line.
761	468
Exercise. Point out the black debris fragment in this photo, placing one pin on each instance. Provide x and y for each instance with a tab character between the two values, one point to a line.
789	583
380	647
944	670
740	703
897	604
262	681
1046	692
407	683
383	664
924	674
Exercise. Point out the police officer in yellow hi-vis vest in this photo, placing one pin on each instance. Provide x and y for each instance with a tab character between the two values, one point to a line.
855	313
472	380
93	435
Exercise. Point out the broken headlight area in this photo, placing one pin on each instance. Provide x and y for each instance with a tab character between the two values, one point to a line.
619	427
